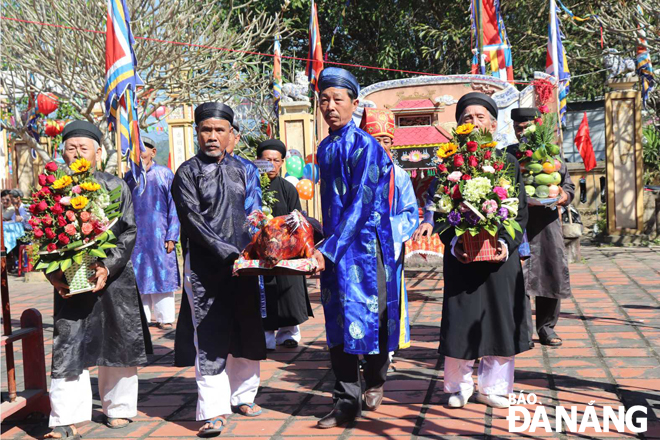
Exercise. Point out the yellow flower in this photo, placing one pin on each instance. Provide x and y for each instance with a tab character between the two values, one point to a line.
80	166
62	182
90	186
446	150
489	145
505	183
79	202
464	129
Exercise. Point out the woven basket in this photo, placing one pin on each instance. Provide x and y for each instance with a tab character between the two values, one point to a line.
481	247
78	274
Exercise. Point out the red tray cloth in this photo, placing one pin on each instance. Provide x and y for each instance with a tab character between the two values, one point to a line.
423	248
299	266
481	247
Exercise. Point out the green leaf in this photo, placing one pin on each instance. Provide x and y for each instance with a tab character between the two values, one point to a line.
516	226
113	215
98	253
53	266
74	244
112	207
78	258
41	265
65	264
111	235
107	246
509	228
459	230
491	228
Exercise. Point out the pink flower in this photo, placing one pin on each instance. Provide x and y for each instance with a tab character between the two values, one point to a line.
49	233
51	247
458	160
87	228
529	153
38	233
70	229
472	146
51	166
544	109
76	189
538	121
66	201
472	161
501	192
71	216
489	206
47	219
50	179
84	216
455	176
42	180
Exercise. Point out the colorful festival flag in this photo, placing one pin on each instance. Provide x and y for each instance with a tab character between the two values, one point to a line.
555	61
277	76
492	51
315	56
121	83
583	143
644	66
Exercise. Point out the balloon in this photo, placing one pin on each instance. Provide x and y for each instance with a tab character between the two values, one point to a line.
311	172
294	166
291	179
305	189
312	158
160	111
293	153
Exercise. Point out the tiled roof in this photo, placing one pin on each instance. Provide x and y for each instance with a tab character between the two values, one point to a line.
409	136
414	103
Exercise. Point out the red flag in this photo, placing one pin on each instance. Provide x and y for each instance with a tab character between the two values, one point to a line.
315	57
584	146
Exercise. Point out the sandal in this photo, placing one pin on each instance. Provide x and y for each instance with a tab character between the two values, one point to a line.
552	342
290	343
212	431
237	409
167	326
65	432
109	420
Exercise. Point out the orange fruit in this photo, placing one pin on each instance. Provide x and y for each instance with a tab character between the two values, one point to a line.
549	167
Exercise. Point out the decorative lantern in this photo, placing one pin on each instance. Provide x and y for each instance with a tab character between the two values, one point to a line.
47	103
52	127
160	112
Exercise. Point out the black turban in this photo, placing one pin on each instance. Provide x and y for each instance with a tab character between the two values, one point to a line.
525	114
339	78
271	144
210	110
236	127
82	129
148	142
476	98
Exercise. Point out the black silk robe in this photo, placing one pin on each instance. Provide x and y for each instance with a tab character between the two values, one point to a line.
287	299
546	271
210	201
484	306
107	328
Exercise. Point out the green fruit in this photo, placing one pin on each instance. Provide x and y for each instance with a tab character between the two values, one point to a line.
530	190
542	191
543	179
534	168
538	154
553	149
556	178
528	179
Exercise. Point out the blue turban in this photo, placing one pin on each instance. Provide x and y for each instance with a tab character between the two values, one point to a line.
339	78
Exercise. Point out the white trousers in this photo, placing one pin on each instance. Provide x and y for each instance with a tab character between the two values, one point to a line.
283	334
71	397
161	306
237	384
495	375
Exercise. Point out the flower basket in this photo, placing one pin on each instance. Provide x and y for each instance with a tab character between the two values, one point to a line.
77	276
298	266
480	247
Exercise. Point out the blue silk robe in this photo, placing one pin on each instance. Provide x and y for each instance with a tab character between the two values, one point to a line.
355	178
252	199
156	271
405	219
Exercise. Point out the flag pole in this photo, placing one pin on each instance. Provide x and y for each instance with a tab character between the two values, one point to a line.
555	72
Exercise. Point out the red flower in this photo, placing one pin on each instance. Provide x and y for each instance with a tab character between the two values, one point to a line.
84	216
446	189
57	209
488	154
456	192
71	216
42	206
57	197
61	220
34	221
42	179
519	154
38	233
98	228
466	177
63	238
529	153
51	247
33	209
47	219
544	109
51	166
50	179
472	146
442	168
46	191
539	121
472	161
49	233
458	160
498	166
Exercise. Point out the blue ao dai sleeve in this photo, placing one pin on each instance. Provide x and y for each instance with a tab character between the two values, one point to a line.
173	224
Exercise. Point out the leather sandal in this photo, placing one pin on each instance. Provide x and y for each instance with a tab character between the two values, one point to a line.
65	432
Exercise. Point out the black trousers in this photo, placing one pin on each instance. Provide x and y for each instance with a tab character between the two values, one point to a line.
348	390
547	315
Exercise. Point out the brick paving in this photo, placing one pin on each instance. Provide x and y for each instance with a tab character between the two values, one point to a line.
610	356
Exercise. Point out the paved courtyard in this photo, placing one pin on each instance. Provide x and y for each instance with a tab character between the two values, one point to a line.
610	356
